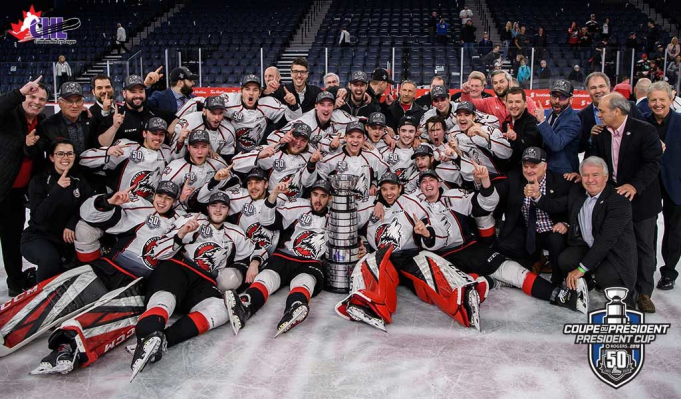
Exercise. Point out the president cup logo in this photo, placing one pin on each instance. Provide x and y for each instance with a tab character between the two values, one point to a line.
617	338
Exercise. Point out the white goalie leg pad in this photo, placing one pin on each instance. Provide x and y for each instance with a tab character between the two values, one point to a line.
511	272
270	279
229	278
214	310
164	300
87	241
304	280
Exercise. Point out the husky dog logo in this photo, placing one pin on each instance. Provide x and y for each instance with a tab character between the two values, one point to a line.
244	138
405	174
148	255
309	245
206	256
617	338
142	183
260	236
362	186
389	234
294	186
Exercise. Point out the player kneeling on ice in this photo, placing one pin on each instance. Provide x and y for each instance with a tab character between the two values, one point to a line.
297	262
216	254
98	303
397	239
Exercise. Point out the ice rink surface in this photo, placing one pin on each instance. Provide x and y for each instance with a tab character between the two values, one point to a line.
520	352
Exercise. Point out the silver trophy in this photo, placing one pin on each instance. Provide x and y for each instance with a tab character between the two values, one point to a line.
616	309
343	248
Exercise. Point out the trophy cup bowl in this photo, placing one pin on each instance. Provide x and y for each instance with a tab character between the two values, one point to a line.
616	292
344	183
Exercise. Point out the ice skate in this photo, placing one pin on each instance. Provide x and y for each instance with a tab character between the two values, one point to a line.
366	315
574	299
238	311
472	305
61	361
292	317
149	349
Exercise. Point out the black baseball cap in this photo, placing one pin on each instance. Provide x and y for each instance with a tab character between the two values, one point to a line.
157	123
389	177
199	136
256	173
168	187
355	125
325	95
250	79
219	197
439	91
132	81
408	120
376	118
214	102
563	87
359	76
534	155
423	149
323	184
426	173
382	75
465	106
182	73
69	89
301	129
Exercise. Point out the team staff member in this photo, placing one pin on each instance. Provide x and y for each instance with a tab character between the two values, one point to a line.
299	91
19	156
182	82
55	197
71	122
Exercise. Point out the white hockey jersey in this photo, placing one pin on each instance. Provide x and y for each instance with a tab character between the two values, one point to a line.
400	162
481	151
368	165
138	166
450	120
143	235
180	170
222	139
320	137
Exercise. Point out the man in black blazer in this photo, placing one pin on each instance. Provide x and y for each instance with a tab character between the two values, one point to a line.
632	150
598	85
71	122
668	126
601	237
521	130
304	93
533	202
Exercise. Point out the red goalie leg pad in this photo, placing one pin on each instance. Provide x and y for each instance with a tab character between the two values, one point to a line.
444	297
199	321
482	287
382	295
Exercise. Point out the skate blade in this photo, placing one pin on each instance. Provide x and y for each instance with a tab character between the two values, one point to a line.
46	369
582	296
141	363
474	308
358	315
230	303
295	320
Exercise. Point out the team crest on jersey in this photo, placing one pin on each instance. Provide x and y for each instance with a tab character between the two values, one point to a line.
404	174
244	139
248	209
221	145
148	256
153	221
260	236
206	256
279	165
341	166
309	245
191	176
168	170
142	183
206	231
389	234
76	193
294	186
137	156
305	219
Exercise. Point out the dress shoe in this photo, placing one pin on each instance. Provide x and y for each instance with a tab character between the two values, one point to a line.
665	284
645	304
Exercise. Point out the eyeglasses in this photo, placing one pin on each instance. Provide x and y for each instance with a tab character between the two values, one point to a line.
72	103
561	97
62	154
298	72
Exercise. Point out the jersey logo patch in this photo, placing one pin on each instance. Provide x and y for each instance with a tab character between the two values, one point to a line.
137	156
393	159
244	138
294	186
153	222
205	256
341	166
142	183
191	176
309	245
260	236
305	219
148	256
238	117
279	165
389	234
248	210
206	231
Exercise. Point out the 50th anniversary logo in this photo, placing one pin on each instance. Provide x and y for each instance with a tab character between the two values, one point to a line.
617	338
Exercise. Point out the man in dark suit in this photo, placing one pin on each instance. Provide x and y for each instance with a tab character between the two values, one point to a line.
521	129
182	82
299	90
598	85
641	93
601	238
71	122
668	126
632	150
533	202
